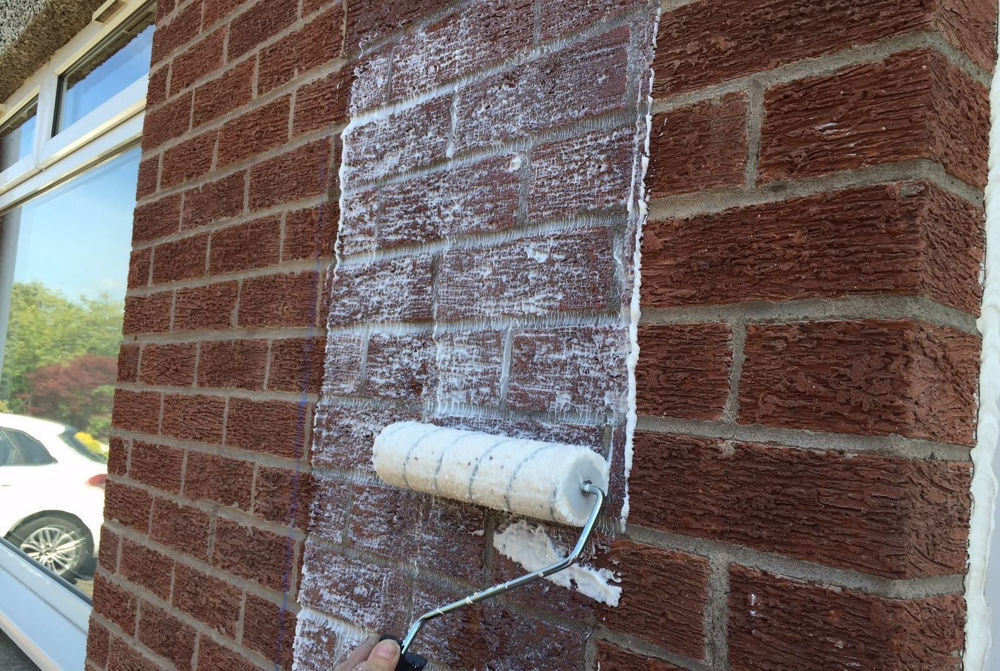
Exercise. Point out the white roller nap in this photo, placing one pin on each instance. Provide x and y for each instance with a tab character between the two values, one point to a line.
527	477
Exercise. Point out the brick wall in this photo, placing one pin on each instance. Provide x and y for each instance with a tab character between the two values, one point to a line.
809	354
798	494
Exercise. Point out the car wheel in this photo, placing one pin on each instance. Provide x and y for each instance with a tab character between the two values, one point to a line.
60	544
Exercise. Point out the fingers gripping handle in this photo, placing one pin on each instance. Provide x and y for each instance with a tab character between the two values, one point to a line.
408	661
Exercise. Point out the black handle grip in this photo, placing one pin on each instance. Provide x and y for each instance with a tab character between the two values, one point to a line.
409	661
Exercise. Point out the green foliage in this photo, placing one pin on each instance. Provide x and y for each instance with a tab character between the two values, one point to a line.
46	328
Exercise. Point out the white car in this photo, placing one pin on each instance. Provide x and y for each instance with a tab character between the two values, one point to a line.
51	493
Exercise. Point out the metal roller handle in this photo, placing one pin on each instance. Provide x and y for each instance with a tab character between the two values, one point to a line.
588	488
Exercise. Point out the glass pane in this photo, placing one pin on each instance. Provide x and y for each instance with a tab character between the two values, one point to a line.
109	69
60	362
17	136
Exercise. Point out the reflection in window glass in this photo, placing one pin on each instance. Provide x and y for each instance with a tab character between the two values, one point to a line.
109	69
60	363
17	136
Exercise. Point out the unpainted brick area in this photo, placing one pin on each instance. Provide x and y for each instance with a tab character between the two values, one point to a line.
355	213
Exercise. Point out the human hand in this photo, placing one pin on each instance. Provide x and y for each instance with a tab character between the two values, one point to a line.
371	657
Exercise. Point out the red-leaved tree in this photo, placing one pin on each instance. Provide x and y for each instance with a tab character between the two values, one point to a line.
78	392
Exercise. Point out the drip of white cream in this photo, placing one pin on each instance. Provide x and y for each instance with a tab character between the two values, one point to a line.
530	546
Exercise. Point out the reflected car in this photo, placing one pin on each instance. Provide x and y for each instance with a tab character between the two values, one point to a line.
51	493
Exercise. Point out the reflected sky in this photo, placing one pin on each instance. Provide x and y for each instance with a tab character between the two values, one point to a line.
77	237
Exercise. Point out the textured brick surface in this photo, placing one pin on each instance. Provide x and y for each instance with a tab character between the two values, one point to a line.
611	658
905	239
697	147
780	624
891	517
708	42
683	371
912	105
871	377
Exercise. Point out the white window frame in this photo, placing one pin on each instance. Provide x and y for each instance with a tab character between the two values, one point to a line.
115	124
42	614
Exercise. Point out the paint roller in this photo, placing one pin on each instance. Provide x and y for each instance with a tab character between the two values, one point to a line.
549	481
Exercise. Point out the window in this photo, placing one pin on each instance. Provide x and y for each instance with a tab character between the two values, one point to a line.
17	136
69	161
120	60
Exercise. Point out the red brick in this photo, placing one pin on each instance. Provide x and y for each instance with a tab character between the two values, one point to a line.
165	123
255	132
470	367
258	24
610	658
128	363
297	364
359	292
157	219
283	496
317	43
208	307
323	103
328	514
124	658
157	466
115	603
359	230
311	233
212	656
279	300
194	417
156	92
601	159
182	28
401	366
127	505
576	368
463	41
118	454
228	92
220	479
252	553
188	160
369	595
911	106
891	517
683	370
108	552
147	568
273	427
560	17
970	26
140	262
543	275
367	22
180	259
776	623
216	10
870	377
345	433
147	314
182	528
137	410
510	639
317	643
294	175
647	575
167	636
399	142
207	599
254	244
198	61
698	147
532	98
908	238
344	355
705	43
168	364
214	201
98	643
149	177
269	629
233	363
